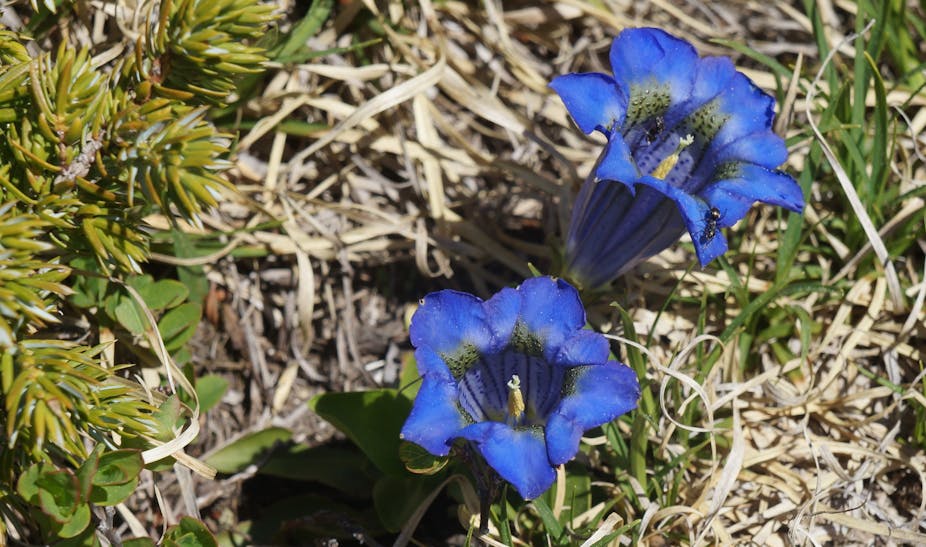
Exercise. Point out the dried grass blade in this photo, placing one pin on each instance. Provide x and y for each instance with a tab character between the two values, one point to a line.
397	95
135	525
612	521
728	475
427	134
874	528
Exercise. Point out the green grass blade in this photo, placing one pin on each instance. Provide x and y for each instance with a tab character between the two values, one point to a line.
318	13
554	528
880	155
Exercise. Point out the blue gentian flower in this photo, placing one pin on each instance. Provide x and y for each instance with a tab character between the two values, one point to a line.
689	146
517	376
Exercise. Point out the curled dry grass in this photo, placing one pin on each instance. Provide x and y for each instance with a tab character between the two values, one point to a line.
440	152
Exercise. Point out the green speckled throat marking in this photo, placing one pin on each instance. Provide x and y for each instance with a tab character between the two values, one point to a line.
646	102
526	342
706	121
728	170
467	417
535	430
460	361
570	379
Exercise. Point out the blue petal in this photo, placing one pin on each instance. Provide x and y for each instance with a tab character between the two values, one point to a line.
709	241
600	394
552	310
519	456
502	314
593	100
585	348
649	57
712	76
448	320
430	363
749	110
617	163
731	207
764	148
756	183
435	419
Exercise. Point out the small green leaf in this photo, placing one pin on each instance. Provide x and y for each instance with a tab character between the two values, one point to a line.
130	315
189	533
192	277
139	282
83	296
77	523
59	495
85	538
118	467
210	389
179	325
419	461
169	418
138	542
88	289
182	356
114	494
234	457
163	294
88	469
371	419
26	486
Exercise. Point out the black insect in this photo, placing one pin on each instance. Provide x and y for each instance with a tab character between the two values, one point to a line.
711	229
658	127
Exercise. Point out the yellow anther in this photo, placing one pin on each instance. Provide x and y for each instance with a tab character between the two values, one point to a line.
666	165
515	399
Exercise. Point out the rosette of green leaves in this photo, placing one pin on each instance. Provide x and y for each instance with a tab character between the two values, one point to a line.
60	110
198	48
55	395
171	155
85	153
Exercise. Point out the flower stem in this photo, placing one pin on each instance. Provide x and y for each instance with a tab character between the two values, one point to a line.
647	409
638	444
485	502
486	484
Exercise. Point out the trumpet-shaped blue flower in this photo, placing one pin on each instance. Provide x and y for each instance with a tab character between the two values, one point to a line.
689	146
517	376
